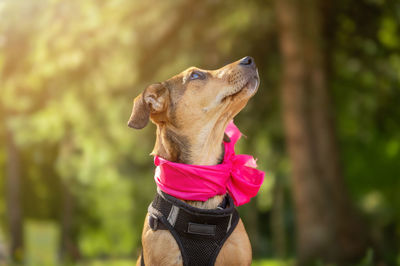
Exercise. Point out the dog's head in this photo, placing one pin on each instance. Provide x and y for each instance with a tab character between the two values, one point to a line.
196	98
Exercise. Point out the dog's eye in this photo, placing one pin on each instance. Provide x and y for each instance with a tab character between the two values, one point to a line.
196	75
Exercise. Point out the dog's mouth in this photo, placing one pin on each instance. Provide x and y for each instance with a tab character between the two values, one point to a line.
251	86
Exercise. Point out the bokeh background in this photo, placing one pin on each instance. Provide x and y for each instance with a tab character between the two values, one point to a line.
75	181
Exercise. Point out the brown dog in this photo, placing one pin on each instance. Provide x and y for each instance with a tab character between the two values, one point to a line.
191	111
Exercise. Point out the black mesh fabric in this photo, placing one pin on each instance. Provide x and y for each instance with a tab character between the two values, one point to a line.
196	249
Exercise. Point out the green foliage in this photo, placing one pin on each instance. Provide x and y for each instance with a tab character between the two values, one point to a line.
366	89
369	259
41	243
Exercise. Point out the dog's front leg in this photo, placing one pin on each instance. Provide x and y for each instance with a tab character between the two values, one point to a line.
237	249
159	247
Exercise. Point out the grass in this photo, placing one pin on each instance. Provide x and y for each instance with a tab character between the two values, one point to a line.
272	262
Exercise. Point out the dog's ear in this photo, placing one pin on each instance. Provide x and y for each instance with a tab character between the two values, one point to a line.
140	113
152	101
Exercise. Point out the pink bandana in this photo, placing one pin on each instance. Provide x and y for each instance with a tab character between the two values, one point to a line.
236	173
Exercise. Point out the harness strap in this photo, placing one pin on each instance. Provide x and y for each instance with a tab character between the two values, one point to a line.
141	259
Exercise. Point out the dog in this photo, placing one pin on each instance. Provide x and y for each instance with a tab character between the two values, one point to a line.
191	111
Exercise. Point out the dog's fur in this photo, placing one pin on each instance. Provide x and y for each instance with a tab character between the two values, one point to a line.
191	111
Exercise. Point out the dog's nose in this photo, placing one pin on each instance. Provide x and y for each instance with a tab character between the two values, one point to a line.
247	61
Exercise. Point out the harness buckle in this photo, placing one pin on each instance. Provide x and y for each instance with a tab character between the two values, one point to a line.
153	222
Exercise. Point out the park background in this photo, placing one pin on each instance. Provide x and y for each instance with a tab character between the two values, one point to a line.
75	181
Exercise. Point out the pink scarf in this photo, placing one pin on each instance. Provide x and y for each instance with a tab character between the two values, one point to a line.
236	174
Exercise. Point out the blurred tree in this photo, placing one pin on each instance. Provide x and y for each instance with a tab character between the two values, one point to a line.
277	220
327	226
13	199
13	178
69	247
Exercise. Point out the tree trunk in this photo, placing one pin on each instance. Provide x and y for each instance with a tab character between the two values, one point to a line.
69	249
327	226
278	220
13	197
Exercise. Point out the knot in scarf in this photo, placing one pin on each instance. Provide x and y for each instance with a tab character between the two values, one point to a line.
236	175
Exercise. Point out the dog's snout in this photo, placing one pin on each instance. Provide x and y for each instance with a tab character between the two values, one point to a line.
247	61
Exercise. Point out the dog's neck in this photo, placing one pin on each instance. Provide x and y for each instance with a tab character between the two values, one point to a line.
201	147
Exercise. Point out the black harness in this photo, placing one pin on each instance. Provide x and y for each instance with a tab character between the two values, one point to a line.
199	233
